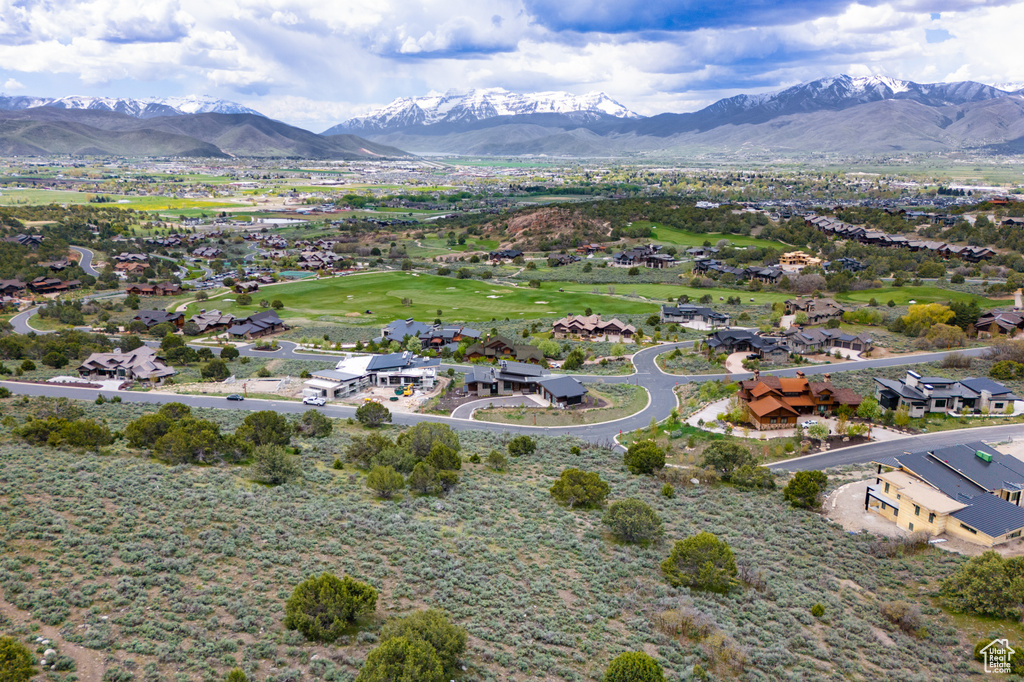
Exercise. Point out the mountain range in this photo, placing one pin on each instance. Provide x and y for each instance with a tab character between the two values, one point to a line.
47	131
136	108
840	114
837	115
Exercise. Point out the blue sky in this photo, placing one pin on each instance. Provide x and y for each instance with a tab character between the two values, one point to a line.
317	62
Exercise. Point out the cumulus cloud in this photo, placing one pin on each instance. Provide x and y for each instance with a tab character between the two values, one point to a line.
316	62
13	84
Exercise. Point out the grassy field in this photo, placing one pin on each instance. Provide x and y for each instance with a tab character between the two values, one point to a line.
148	572
923	294
687	239
623	400
348	298
35	197
663	292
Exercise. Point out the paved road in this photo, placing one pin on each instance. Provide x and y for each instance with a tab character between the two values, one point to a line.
86	260
20	322
466	410
869	451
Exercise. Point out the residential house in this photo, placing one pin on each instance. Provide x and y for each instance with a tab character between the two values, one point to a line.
131	267
162	289
504	254
50	285
562	259
507	378
402	369
142	365
56	265
970	492
152	318
439	337
695	316
714	268
257	325
844	264
11	287
207	252
498	347
30	240
773	402
818	340
333	384
841	230
999	322
766	274
702	252
797	260
923	394
125	257
589	248
818	310
593	328
648	256
399	330
562	391
213	320
246	287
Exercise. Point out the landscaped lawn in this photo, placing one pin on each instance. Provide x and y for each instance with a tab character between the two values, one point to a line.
38	197
458	299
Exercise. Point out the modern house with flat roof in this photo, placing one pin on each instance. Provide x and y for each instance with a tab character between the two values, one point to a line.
510	378
971	492
922	394
695	316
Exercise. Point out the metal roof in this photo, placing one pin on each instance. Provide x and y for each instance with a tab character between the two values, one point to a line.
991	515
563	387
1002	473
937	474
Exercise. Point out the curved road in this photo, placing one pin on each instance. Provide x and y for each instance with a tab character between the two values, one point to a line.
86	261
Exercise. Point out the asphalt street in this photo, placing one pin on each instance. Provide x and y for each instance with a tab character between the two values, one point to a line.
86	260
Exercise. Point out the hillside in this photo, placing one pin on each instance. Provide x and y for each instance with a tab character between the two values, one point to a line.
51	130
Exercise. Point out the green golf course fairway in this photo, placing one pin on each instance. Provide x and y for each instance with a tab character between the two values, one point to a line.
346	299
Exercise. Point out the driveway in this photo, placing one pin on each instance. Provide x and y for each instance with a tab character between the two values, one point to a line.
466	410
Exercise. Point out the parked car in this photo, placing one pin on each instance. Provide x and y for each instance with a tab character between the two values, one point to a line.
753	356
235	396
809	423
319	401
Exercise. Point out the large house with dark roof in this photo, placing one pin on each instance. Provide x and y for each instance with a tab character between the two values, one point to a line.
698	317
775	402
970	492
510	378
923	394
498	347
818	340
996	322
257	325
141	364
152	318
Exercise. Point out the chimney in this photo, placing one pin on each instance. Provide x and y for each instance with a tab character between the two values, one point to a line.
828	377
757	374
800	374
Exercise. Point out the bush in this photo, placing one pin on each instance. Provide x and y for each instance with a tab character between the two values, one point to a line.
215	369
497	461
818	610
423	478
421	438
236	675
16	664
577	488
749	477
433	627
632	520
634	666
987	585
668	491
644	457
265	427
385	481
522	445
906	617
701	562
442	457
402	660
725	457
372	414
322	607
228	353
313	424
805	488
274	465
447	479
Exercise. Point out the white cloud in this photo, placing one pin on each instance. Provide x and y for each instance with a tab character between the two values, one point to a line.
13	84
317	62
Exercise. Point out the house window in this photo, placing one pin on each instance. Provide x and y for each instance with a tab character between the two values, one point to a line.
910	526
883	506
931	518
1016	498
774	420
895	511
886	487
940	403
968	529
917	510
1014	534
997	406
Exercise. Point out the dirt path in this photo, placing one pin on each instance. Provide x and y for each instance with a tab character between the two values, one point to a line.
89	664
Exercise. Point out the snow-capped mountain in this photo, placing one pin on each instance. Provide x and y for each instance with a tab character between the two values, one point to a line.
137	108
482	104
